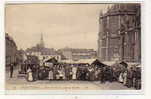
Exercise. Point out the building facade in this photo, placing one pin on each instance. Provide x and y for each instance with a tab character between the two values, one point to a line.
11	50
120	33
76	54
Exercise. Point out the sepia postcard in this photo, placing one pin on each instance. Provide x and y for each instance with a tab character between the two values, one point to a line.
73	47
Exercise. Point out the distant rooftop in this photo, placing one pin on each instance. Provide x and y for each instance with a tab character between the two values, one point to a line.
43	51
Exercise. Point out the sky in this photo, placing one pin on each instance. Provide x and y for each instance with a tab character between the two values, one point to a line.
62	25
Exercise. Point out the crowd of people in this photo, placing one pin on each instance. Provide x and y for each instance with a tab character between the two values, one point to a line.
62	72
129	76
126	74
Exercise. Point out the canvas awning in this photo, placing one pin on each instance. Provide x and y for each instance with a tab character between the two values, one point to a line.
98	63
52	60
124	64
109	63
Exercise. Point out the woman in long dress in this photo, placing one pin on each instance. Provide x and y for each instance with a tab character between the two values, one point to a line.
29	75
121	77
74	71
125	78
50	77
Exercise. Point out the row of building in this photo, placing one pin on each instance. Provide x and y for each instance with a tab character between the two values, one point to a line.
119	35
13	55
61	54
11	50
76	54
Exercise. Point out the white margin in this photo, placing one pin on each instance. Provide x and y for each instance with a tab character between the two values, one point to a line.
84	92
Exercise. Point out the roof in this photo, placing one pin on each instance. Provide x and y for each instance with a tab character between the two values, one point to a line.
44	51
9	38
123	63
98	63
52	60
109	63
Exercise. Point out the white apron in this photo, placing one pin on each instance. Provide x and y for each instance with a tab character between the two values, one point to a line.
29	75
125	78
121	78
50	77
74	71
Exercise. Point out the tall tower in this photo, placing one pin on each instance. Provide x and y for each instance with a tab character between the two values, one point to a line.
42	41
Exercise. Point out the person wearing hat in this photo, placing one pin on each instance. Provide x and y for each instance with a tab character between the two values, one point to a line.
130	77
11	70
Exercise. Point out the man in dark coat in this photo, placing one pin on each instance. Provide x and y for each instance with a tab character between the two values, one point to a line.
110	74
137	84
67	72
11	70
102	75
130	77
35	72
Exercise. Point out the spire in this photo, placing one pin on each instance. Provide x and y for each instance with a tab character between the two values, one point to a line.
41	41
